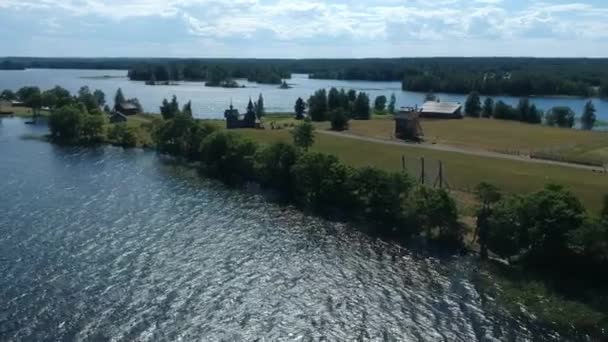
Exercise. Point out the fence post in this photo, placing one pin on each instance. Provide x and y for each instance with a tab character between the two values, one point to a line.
422	175
440	175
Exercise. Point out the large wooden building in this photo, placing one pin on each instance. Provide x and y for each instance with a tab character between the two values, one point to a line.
127	108
441	110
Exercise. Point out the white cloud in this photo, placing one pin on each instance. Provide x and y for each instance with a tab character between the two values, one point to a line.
326	22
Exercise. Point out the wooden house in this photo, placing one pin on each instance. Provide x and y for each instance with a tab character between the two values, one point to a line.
127	108
117	117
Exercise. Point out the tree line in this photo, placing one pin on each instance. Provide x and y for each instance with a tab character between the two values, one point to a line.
340	106
487	75
214	73
525	111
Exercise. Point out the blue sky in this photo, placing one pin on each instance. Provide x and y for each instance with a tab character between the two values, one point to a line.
304	28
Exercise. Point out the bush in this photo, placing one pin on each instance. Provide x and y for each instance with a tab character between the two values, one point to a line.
380	197
320	182
339	120
228	157
273	167
122	135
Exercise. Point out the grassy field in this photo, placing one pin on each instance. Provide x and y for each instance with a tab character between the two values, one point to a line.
501	136
25	112
462	172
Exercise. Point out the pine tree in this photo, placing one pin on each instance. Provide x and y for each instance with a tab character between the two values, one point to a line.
472	106
588	118
119	98
187	110
250	115
300	108
392	103
259	108
488	108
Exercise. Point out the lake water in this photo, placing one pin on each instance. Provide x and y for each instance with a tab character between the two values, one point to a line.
211	102
106	244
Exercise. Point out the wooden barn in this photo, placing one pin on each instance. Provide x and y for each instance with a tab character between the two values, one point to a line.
441	110
117	117
407	125
126	108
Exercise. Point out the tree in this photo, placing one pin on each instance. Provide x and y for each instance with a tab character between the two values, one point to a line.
273	167
505	234
25	92
259	108
169	109
488	195
561	117
93	129
119	98
503	111
100	96
352	95
228	157
380	103
320	182
488	108
65	124
392	103
87	98
122	135
523	109
535	116
382	197
300	108
361	107
537	225
60	97
187	110
317	106
250	114
49	99
472	106
8	95
339	120
303	135
550	215
333	99
33	100
435	212
588	118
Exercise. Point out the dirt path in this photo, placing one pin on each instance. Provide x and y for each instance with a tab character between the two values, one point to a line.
455	149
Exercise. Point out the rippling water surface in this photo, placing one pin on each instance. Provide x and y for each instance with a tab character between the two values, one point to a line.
107	244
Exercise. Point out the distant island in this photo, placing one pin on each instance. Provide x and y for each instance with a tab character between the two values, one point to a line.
582	77
9	65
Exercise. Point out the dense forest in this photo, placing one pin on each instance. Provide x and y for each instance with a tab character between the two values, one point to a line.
491	76
214	72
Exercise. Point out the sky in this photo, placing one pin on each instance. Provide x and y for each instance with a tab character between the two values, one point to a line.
303	28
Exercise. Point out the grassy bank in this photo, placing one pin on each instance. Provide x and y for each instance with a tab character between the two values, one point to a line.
462	172
501	136
530	296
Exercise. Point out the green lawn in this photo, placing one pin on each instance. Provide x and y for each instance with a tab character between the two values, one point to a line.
462	172
502	136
